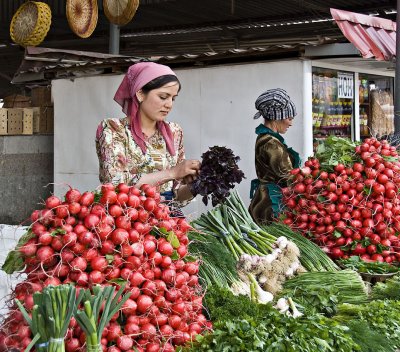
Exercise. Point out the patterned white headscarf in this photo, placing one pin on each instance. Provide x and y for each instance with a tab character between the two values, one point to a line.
275	104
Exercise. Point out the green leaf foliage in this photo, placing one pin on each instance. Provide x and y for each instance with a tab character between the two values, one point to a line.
389	289
14	261
382	316
336	150
369	340
322	299
242	325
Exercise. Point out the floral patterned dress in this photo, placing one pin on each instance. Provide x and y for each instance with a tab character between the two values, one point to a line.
122	160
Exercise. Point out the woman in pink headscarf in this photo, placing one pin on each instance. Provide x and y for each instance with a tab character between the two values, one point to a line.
143	148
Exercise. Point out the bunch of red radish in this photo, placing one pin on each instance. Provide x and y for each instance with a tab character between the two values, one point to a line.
352	210
127	236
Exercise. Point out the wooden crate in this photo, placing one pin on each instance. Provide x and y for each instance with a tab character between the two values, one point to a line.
41	96
14	121
27	121
3	121
50	120
39	119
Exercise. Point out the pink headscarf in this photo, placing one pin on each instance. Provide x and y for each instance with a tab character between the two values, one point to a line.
137	76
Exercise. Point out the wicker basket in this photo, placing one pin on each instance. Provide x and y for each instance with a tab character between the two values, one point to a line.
30	24
82	16
120	12
374	278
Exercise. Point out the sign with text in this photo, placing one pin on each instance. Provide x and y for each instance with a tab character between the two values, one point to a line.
345	82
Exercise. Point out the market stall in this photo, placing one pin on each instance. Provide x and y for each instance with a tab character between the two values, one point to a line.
219	282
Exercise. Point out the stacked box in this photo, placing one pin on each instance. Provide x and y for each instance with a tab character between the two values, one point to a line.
17	101
27	121
50	119
3	121
16	121
39	120
41	96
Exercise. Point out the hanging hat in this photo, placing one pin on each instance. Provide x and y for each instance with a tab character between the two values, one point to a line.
275	104
82	16
30	24
120	12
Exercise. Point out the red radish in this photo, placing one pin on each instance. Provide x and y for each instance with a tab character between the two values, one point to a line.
99	263
74	208
114	331
87	199
122	199
73	195
115	210
45	254
165	248
91	221
124	342
136	279
148	331
119	236
78	264
144	303
52	202
129	307
29	248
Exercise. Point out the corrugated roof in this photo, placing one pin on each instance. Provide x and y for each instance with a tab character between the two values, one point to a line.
372	36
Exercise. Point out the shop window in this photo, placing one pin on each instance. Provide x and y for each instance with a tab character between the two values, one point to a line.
332	103
376	106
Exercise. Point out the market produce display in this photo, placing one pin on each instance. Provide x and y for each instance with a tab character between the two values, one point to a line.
112	271
346	200
120	236
264	261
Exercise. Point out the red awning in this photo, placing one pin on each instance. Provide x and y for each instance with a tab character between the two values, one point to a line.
372	36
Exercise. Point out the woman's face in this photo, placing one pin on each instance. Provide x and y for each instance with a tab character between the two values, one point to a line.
283	125
157	103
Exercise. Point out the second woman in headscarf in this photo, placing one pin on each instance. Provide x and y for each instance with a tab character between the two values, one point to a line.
273	158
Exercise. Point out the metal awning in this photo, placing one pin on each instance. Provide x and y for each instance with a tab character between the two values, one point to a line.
372	36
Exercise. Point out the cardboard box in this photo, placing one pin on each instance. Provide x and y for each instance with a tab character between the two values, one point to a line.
41	96
39	119
27	121
3	121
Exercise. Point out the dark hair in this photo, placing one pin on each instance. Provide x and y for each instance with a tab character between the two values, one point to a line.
159	82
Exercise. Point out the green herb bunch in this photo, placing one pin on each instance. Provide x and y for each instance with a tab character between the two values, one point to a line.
242	325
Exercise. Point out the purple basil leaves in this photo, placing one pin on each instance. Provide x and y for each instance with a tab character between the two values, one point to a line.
218	174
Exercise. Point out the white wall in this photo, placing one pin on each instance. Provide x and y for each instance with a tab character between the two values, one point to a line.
9	236
215	107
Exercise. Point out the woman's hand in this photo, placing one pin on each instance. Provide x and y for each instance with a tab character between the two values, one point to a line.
187	169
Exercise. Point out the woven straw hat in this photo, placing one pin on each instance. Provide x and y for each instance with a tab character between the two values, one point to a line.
30	24
120	12
82	16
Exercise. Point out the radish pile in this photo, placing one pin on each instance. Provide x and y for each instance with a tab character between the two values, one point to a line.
351	209
121	235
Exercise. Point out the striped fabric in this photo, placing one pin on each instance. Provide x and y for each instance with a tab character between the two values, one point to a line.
275	104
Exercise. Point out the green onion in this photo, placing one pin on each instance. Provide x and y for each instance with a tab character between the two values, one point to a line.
89	318
51	314
348	283
312	257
